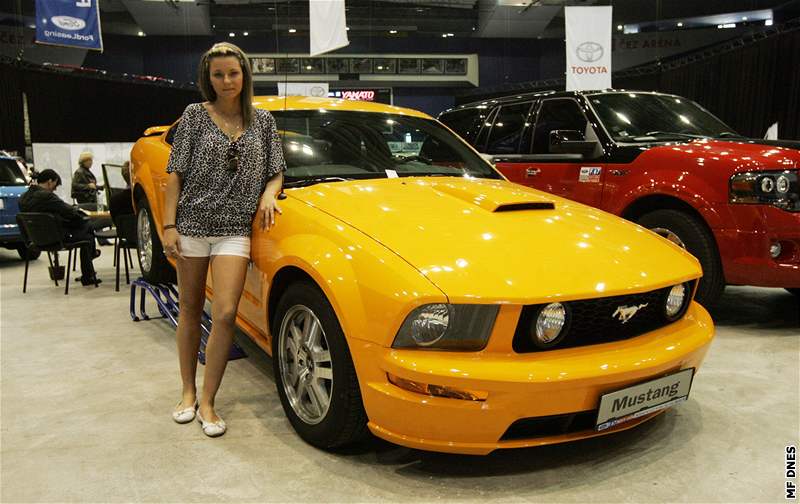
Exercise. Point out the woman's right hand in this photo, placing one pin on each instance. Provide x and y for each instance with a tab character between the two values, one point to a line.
172	245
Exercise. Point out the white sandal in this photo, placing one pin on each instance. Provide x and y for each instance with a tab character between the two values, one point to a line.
212	429
185	415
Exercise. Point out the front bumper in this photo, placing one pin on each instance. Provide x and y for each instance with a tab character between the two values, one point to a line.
519	386
745	240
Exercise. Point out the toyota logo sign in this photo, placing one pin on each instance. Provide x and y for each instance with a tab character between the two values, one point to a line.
589	52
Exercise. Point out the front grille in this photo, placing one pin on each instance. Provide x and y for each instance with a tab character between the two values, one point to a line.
556	425
592	321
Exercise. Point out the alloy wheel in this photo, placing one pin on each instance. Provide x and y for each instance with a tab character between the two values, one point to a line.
145	240
305	364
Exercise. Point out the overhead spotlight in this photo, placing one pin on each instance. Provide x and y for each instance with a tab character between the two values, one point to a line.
744	18
292	30
231	34
444	35
450	35
347	28
141	34
392	31
680	24
619	27
246	34
768	22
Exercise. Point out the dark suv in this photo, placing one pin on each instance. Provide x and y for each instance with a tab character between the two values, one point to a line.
659	160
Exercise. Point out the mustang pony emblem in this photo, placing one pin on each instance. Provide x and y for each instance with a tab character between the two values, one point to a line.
625	313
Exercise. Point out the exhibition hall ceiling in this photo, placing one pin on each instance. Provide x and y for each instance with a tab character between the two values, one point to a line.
385	18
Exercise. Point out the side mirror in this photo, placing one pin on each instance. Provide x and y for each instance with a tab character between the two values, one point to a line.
571	142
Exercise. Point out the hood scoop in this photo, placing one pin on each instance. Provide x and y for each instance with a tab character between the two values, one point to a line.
494	197
531	205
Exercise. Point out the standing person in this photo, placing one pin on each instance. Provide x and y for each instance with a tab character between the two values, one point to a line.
41	197
84	183
225	168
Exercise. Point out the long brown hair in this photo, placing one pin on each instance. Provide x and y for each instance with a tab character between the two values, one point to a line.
204	77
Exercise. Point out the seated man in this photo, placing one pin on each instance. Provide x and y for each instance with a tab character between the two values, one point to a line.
41	198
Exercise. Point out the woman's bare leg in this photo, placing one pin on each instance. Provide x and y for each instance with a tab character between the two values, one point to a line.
192	273
228	275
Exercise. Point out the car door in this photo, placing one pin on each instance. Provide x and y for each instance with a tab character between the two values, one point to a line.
574	176
505	136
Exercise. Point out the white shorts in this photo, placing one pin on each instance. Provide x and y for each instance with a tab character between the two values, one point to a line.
205	246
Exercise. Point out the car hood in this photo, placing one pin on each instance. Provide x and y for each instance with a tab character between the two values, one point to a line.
496	241
739	155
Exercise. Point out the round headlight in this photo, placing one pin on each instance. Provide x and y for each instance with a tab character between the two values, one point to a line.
430	324
767	184
782	184
675	299
550	324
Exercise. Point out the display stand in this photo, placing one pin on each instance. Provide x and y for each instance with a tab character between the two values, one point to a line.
166	297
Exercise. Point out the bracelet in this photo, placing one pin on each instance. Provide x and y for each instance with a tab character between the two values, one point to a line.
169	226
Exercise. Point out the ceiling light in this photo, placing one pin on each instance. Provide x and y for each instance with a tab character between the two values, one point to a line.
680	24
727	25
619	27
292	30
347	28
450	35
231	34
744	18
309	67
392	31
768	22
141	34
444	35
245	34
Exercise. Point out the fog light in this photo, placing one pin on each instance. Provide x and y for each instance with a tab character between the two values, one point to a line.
437	390
775	250
782	184
675	300
549	325
767	185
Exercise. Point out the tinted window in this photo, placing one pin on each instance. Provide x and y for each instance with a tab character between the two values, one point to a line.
10	173
556	115
646	117
507	129
367	145
466	123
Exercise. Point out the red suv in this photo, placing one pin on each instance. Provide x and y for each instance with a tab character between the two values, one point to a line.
659	160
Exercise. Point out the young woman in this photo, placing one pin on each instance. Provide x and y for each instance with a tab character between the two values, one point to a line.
226	168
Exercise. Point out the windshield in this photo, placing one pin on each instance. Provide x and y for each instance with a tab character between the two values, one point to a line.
640	117
329	145
10	174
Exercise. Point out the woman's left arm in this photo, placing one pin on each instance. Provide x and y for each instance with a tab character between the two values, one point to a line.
267	206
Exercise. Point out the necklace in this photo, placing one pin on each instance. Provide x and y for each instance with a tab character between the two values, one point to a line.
231	128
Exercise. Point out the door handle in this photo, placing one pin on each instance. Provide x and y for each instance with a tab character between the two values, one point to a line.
532	172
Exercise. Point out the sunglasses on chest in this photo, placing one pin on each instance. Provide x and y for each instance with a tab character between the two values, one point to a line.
232	158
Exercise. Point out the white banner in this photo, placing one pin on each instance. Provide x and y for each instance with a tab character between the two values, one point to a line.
316	89
588	47
328	25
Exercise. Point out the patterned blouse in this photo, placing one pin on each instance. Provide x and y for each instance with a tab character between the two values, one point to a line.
216	200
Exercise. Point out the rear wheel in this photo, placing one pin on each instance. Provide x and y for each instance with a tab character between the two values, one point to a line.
152	261
28	253
690	233
314	373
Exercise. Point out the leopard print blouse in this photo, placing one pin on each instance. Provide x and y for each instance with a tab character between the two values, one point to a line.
215	201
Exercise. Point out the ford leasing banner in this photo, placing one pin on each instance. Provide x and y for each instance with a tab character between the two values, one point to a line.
588	47
73	23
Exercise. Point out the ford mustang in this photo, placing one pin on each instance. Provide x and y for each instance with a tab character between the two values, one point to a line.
410	291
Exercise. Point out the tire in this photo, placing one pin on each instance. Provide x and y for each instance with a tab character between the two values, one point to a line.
152	261
691	233
344	421
794	290
28	253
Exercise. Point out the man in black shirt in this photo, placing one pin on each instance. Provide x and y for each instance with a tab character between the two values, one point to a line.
41	198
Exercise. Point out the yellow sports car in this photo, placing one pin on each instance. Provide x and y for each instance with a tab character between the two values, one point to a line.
408	289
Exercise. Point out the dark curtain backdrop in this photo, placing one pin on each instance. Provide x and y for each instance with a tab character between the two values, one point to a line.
12	122
64	107
749	88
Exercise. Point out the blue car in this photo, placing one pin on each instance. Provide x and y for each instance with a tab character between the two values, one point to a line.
12	186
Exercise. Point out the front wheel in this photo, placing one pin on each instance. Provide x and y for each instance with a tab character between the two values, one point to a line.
690	233
152	261
314	372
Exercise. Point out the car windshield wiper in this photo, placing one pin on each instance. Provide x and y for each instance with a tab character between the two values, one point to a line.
313	180
673	134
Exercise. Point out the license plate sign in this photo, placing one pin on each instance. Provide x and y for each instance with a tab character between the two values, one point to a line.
639	400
